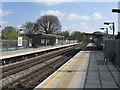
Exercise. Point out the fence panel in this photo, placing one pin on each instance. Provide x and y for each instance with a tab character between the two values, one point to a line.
60	42
118	53
112	51
6	45
11	44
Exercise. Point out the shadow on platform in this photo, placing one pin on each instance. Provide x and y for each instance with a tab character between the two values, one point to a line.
98	74
92	48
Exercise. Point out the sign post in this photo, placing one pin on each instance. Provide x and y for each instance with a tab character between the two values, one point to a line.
20	41
56	41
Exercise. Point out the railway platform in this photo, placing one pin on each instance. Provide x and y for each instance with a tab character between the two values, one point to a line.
15	53
85	70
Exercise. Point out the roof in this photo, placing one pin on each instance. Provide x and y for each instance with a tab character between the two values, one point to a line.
96	34
57	36
54	35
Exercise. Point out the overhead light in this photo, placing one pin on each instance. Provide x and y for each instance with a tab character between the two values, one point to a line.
116	10
106	23
102	28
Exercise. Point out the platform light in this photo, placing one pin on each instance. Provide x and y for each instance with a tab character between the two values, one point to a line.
116	10
102	28
107	23
113	27
106	31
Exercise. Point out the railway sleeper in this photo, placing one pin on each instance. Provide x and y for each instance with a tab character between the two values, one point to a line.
29	80
25	67
25	76
25	81
32	83
46	73
35	82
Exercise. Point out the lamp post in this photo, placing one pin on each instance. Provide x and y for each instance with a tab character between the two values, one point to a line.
116	10
113	27
106	31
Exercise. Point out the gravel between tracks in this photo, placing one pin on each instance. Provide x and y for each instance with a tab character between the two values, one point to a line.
20	74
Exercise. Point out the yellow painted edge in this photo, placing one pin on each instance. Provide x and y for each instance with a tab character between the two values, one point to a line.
47	85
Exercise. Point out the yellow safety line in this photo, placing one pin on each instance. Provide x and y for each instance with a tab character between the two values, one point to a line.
47	85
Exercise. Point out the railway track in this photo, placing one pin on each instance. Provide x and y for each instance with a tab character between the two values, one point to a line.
9	60
30	72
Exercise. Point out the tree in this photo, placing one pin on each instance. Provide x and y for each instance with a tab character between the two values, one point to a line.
66	34
9	33
48	24
76	35
28	28
7	30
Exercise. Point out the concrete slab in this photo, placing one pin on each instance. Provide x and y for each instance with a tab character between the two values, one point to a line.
85	70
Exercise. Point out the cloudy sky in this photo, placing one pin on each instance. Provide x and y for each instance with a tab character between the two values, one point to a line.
74	16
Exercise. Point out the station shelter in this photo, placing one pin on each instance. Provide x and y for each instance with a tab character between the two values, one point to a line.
97	38
37	40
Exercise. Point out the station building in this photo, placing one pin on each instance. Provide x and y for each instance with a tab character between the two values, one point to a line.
37	40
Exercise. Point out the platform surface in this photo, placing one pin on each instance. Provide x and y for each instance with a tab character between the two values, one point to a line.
85	70
9	54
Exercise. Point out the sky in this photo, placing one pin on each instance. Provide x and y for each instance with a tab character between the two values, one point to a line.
73	16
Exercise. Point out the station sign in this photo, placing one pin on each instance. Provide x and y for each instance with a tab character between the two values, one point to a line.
56	41
20	41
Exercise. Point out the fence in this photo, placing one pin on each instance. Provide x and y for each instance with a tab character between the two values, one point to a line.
11	45
60	42
6	45
111	51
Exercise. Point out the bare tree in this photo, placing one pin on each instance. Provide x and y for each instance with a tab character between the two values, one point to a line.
28	28
76	34
66	34
48	24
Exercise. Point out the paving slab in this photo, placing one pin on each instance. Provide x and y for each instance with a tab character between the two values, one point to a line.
85	70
